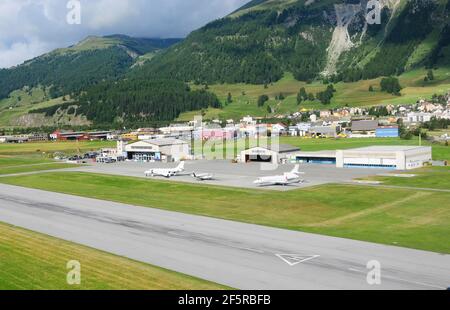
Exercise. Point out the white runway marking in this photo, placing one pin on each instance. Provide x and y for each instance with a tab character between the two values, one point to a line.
295	259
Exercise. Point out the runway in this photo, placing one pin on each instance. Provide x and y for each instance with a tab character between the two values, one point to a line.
242	256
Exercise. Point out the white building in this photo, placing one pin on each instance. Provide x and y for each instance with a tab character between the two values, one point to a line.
270	154
177	129
278	128
167	149
418	117
392	157
248	120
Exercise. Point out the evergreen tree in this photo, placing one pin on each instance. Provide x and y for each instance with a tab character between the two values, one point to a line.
280	97
229	98
303	93
299	98
262	100
391	85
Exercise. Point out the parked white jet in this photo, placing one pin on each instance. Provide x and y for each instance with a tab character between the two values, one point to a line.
292	177
165	172
203	176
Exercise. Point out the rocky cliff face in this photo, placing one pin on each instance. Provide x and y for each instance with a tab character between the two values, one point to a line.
309	38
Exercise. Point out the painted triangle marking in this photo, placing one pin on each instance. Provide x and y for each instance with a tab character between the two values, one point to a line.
295	259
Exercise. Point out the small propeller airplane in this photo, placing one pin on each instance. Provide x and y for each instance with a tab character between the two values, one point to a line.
203	176
165	172
292	177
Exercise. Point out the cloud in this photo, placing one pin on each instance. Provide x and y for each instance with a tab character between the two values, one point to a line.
29	28
17	52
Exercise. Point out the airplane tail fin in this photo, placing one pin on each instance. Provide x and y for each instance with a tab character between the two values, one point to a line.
296	170
181	166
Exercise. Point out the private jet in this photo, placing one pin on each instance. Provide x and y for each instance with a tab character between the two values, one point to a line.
286	179
203	176
165	172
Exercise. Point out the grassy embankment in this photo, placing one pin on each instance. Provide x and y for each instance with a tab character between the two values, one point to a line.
12	166
34	157
45	148
404	217
429	177
355	94
30	261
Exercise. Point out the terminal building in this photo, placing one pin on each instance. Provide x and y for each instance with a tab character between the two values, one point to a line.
167	149
384	157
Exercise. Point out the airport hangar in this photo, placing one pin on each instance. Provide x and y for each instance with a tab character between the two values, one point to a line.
167	149
388	157
269	154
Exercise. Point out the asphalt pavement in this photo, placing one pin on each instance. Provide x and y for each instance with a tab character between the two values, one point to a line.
239	255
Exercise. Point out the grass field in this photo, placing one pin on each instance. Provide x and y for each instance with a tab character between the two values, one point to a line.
403	217
355	94
45	148
31	261
34	168
429	177
12	161
22	164
20	102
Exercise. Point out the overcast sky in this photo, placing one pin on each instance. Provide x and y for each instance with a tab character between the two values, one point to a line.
29	28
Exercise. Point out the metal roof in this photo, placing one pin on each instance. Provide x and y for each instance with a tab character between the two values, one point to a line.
165	141
323	129
364	125
281	148
389	148
318	154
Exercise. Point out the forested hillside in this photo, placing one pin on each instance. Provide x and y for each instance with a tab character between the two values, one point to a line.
136	101
311	43
74	69
311	39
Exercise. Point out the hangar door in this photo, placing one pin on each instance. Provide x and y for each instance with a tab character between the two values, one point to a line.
258	158
388	163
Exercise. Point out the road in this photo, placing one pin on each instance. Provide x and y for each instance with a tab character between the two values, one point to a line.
239	255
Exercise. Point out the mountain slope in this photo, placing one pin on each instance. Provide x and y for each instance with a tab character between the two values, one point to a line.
309	38
75	68
131	102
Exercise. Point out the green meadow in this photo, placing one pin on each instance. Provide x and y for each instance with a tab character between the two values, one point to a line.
32	261
45	148
354	94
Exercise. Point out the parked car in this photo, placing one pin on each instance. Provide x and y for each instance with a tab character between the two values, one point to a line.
106	160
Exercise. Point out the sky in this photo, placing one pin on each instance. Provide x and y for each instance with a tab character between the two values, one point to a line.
29	28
